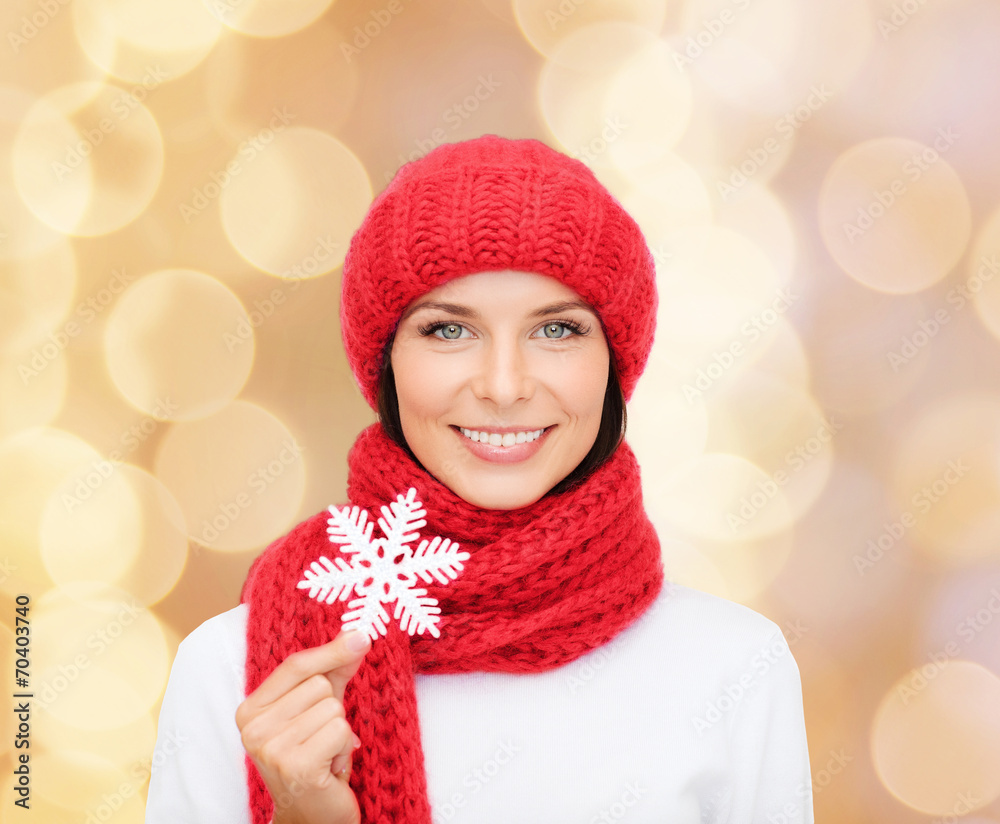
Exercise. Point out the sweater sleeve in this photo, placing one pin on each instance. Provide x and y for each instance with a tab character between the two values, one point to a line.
768	742
198	774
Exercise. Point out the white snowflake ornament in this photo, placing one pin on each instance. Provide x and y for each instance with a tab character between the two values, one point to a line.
385	569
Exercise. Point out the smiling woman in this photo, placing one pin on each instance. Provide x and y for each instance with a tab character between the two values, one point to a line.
500	380
497	309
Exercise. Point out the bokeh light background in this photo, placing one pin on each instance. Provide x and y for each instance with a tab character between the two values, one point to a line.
819	426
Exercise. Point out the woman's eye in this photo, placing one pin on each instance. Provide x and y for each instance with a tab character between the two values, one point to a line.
555	330
450	331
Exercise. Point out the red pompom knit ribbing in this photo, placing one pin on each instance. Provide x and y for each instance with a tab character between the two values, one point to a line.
490	204
544	585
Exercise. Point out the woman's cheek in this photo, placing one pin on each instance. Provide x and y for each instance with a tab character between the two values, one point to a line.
581	378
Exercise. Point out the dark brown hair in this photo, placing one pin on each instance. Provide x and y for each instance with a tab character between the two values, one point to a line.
609	435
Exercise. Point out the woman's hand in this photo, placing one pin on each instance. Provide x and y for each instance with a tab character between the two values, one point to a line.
295	730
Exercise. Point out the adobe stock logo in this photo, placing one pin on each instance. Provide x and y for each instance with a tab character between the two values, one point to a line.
380	20
912	169
725	359
476	779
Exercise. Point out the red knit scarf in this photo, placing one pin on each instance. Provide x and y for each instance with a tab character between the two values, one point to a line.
543	585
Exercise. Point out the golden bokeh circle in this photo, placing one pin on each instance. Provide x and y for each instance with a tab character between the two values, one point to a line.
612	93
734	74
647	106
666	197
92	525
179	344
45	140
29	397
936	735
778	353
664	429
946	478
687	564
760	215
750	566
103	659
88	158
74	779
295	203
894	214
782	355
723	497
163	546
774	351
769	29
36	329
116	524
547	23
239	476
33	462
718	294
145	43
36	295
248	80
128	745
780	428
834	43
269	18
22	235
981	284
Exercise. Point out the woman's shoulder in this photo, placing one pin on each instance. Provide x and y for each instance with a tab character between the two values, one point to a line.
219	639
225	624
687	624
707	615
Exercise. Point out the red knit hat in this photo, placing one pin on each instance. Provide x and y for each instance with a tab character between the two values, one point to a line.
488	204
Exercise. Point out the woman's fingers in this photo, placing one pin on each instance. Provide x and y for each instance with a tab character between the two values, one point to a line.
308	762
338	660
290	719
294	728
313	695
303	726
310	692
341	766
355	646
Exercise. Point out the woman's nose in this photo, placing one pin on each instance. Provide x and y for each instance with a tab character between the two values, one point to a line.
503	374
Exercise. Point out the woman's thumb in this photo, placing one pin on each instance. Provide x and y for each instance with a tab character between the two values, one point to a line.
351	647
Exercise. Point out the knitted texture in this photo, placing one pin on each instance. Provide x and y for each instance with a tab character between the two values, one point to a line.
490	204
544	584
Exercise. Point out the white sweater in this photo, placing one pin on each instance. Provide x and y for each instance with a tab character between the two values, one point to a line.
692	715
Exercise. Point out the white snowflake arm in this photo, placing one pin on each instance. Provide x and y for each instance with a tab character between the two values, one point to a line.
439	557
401	515
366	615
347	526
329	580
417	613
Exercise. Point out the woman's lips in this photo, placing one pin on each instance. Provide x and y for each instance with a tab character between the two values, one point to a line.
504	454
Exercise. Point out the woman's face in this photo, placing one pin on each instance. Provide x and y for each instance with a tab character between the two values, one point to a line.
505	355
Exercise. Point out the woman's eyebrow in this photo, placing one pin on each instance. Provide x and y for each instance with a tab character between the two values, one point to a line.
450	308
468	312
556	308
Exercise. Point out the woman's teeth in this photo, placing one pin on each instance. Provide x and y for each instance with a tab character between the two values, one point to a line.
496	439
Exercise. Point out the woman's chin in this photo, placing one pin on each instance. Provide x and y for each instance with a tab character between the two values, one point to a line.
494	493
